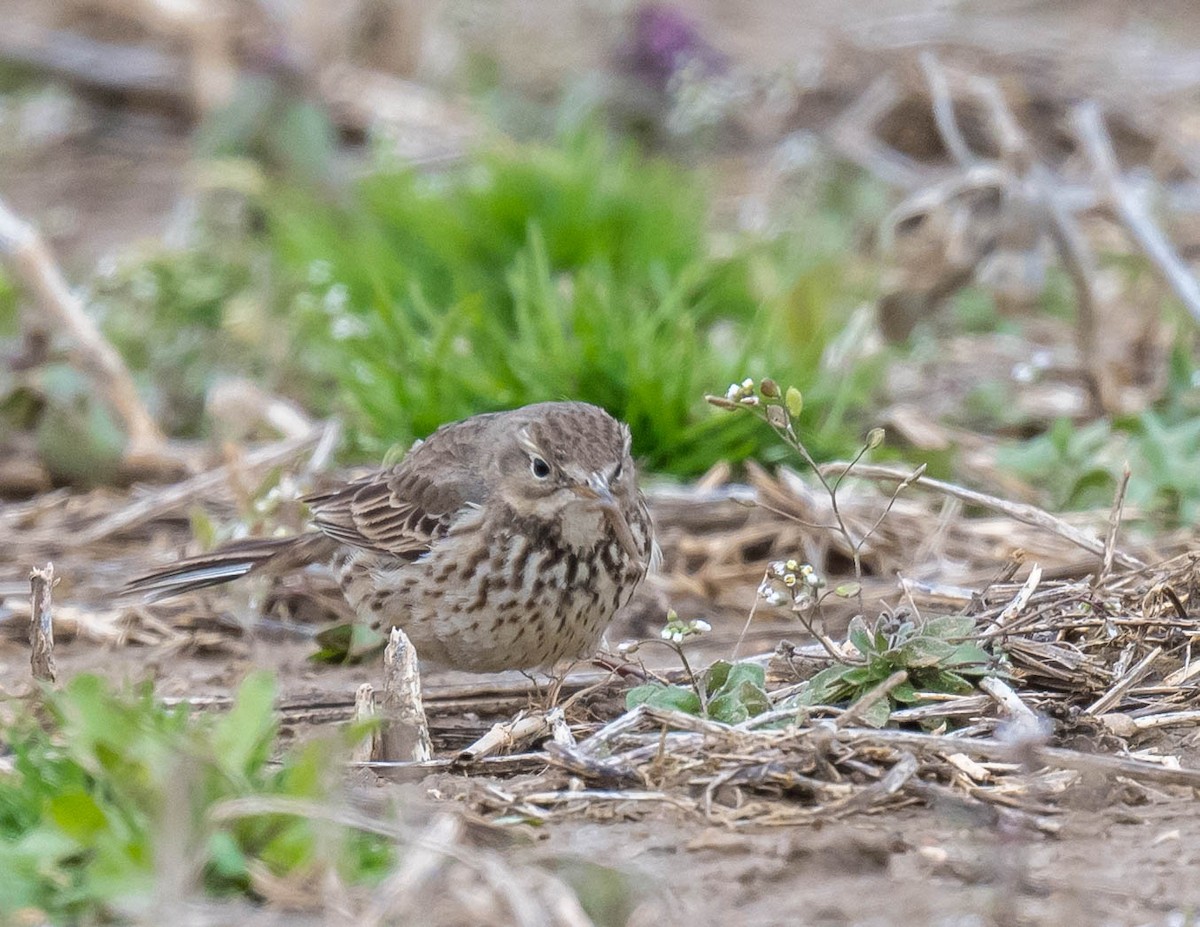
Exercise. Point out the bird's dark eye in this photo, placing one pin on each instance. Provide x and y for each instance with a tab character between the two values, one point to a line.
540	468
616	474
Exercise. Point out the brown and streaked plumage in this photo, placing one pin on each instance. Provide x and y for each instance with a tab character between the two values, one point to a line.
504	541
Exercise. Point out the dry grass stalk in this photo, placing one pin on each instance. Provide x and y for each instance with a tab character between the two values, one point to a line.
1018	511
164	501
507	736
32	264
1088	123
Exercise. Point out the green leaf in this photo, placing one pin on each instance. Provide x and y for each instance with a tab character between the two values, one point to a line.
656	695
950	627
304	139
743	674
826	687
861	636
968	655
739	699
204	529
950	683
926	651
716	675
905	694
226	857
350	642
78	815
878	714
242	737
728	708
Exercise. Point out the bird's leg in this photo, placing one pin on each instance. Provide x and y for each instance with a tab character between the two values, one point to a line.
558	676
619	667
539	693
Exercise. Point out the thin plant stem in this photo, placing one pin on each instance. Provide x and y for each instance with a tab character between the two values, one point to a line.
820	636
701	691
749	618
693	679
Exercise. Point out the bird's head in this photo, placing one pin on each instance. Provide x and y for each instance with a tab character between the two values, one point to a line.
570	463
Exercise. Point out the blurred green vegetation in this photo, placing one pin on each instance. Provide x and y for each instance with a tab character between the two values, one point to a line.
109	799
582	269
1079	466
105	787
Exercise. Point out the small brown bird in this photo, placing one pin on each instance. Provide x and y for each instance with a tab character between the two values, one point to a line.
505	541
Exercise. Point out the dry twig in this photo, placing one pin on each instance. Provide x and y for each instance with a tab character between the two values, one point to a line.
33	265
41	624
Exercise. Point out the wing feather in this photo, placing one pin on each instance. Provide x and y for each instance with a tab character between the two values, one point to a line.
403	511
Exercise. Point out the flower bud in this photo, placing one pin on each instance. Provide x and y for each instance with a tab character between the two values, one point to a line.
794	401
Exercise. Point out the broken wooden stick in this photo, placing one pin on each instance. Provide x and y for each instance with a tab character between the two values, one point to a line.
41	624
364	712
405	731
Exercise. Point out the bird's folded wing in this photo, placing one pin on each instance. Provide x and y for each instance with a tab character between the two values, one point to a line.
401	512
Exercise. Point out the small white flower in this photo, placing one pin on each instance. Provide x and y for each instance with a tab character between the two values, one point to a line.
346	327
336	298
320	272
667	633
769	594
628	647
700	626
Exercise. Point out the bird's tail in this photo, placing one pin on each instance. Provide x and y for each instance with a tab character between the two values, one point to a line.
231	562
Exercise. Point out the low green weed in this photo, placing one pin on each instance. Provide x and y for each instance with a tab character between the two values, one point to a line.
100	791
1079	466
725	691
728	692
939	655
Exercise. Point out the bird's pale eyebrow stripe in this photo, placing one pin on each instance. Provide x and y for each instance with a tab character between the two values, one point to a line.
528	445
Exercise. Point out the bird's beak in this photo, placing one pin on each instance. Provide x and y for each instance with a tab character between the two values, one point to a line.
597	488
